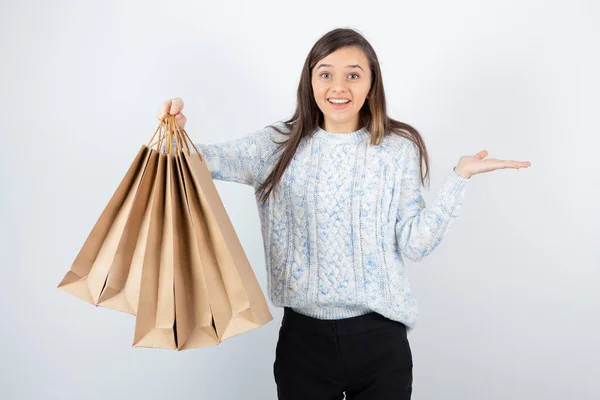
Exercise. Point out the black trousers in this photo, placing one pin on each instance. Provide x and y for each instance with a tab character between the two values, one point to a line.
366	357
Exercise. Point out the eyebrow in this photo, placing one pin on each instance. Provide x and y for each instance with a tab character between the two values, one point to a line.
347	66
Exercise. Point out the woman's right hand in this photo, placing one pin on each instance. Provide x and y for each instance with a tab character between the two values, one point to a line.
174	107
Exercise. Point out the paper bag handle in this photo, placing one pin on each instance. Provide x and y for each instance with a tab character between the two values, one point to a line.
168	126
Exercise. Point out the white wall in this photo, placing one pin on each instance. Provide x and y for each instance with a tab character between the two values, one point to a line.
509	302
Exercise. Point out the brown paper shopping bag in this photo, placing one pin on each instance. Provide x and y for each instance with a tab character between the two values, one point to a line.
236	299
88	273
122	288
193	314
155	318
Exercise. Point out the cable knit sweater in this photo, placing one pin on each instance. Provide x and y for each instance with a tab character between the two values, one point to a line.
340	223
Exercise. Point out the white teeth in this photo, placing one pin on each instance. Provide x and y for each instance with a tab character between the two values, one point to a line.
336	101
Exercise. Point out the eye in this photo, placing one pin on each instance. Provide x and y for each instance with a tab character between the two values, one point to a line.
354	75
324	73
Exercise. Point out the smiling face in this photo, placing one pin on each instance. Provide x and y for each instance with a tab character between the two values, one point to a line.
341	82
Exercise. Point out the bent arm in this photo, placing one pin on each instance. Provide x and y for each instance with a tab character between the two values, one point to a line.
420	227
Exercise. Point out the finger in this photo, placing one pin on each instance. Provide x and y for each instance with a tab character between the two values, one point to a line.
181	120
176	106
163	109
516	164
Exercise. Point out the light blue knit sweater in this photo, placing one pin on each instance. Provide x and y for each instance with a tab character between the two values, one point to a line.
345	215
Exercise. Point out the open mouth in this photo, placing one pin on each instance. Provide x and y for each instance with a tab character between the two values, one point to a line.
338	103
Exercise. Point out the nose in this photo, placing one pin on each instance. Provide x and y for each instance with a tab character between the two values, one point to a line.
338	84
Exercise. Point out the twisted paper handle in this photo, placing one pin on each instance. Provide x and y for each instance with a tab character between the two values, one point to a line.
169	131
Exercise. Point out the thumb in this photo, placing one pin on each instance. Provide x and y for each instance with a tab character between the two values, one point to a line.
482	154
163	109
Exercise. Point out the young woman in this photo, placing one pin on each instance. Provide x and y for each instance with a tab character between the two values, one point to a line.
338	194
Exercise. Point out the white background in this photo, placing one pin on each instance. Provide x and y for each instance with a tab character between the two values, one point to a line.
509	302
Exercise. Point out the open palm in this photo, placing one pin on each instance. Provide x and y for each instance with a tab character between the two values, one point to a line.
477	164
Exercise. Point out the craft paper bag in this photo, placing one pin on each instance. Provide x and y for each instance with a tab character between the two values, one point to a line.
88	273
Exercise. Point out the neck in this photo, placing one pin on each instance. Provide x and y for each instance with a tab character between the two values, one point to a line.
341	128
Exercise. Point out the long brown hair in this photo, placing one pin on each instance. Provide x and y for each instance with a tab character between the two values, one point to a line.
308	116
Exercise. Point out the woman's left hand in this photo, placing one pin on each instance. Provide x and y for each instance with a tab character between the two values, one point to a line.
470	165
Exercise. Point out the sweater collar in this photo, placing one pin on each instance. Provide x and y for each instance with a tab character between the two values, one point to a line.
345	137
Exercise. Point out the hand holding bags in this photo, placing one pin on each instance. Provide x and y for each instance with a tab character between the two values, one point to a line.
165	250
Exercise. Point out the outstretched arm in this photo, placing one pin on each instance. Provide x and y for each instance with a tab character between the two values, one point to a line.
235	160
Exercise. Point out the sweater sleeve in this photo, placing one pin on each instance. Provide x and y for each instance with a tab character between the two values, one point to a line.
419	227
236	160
